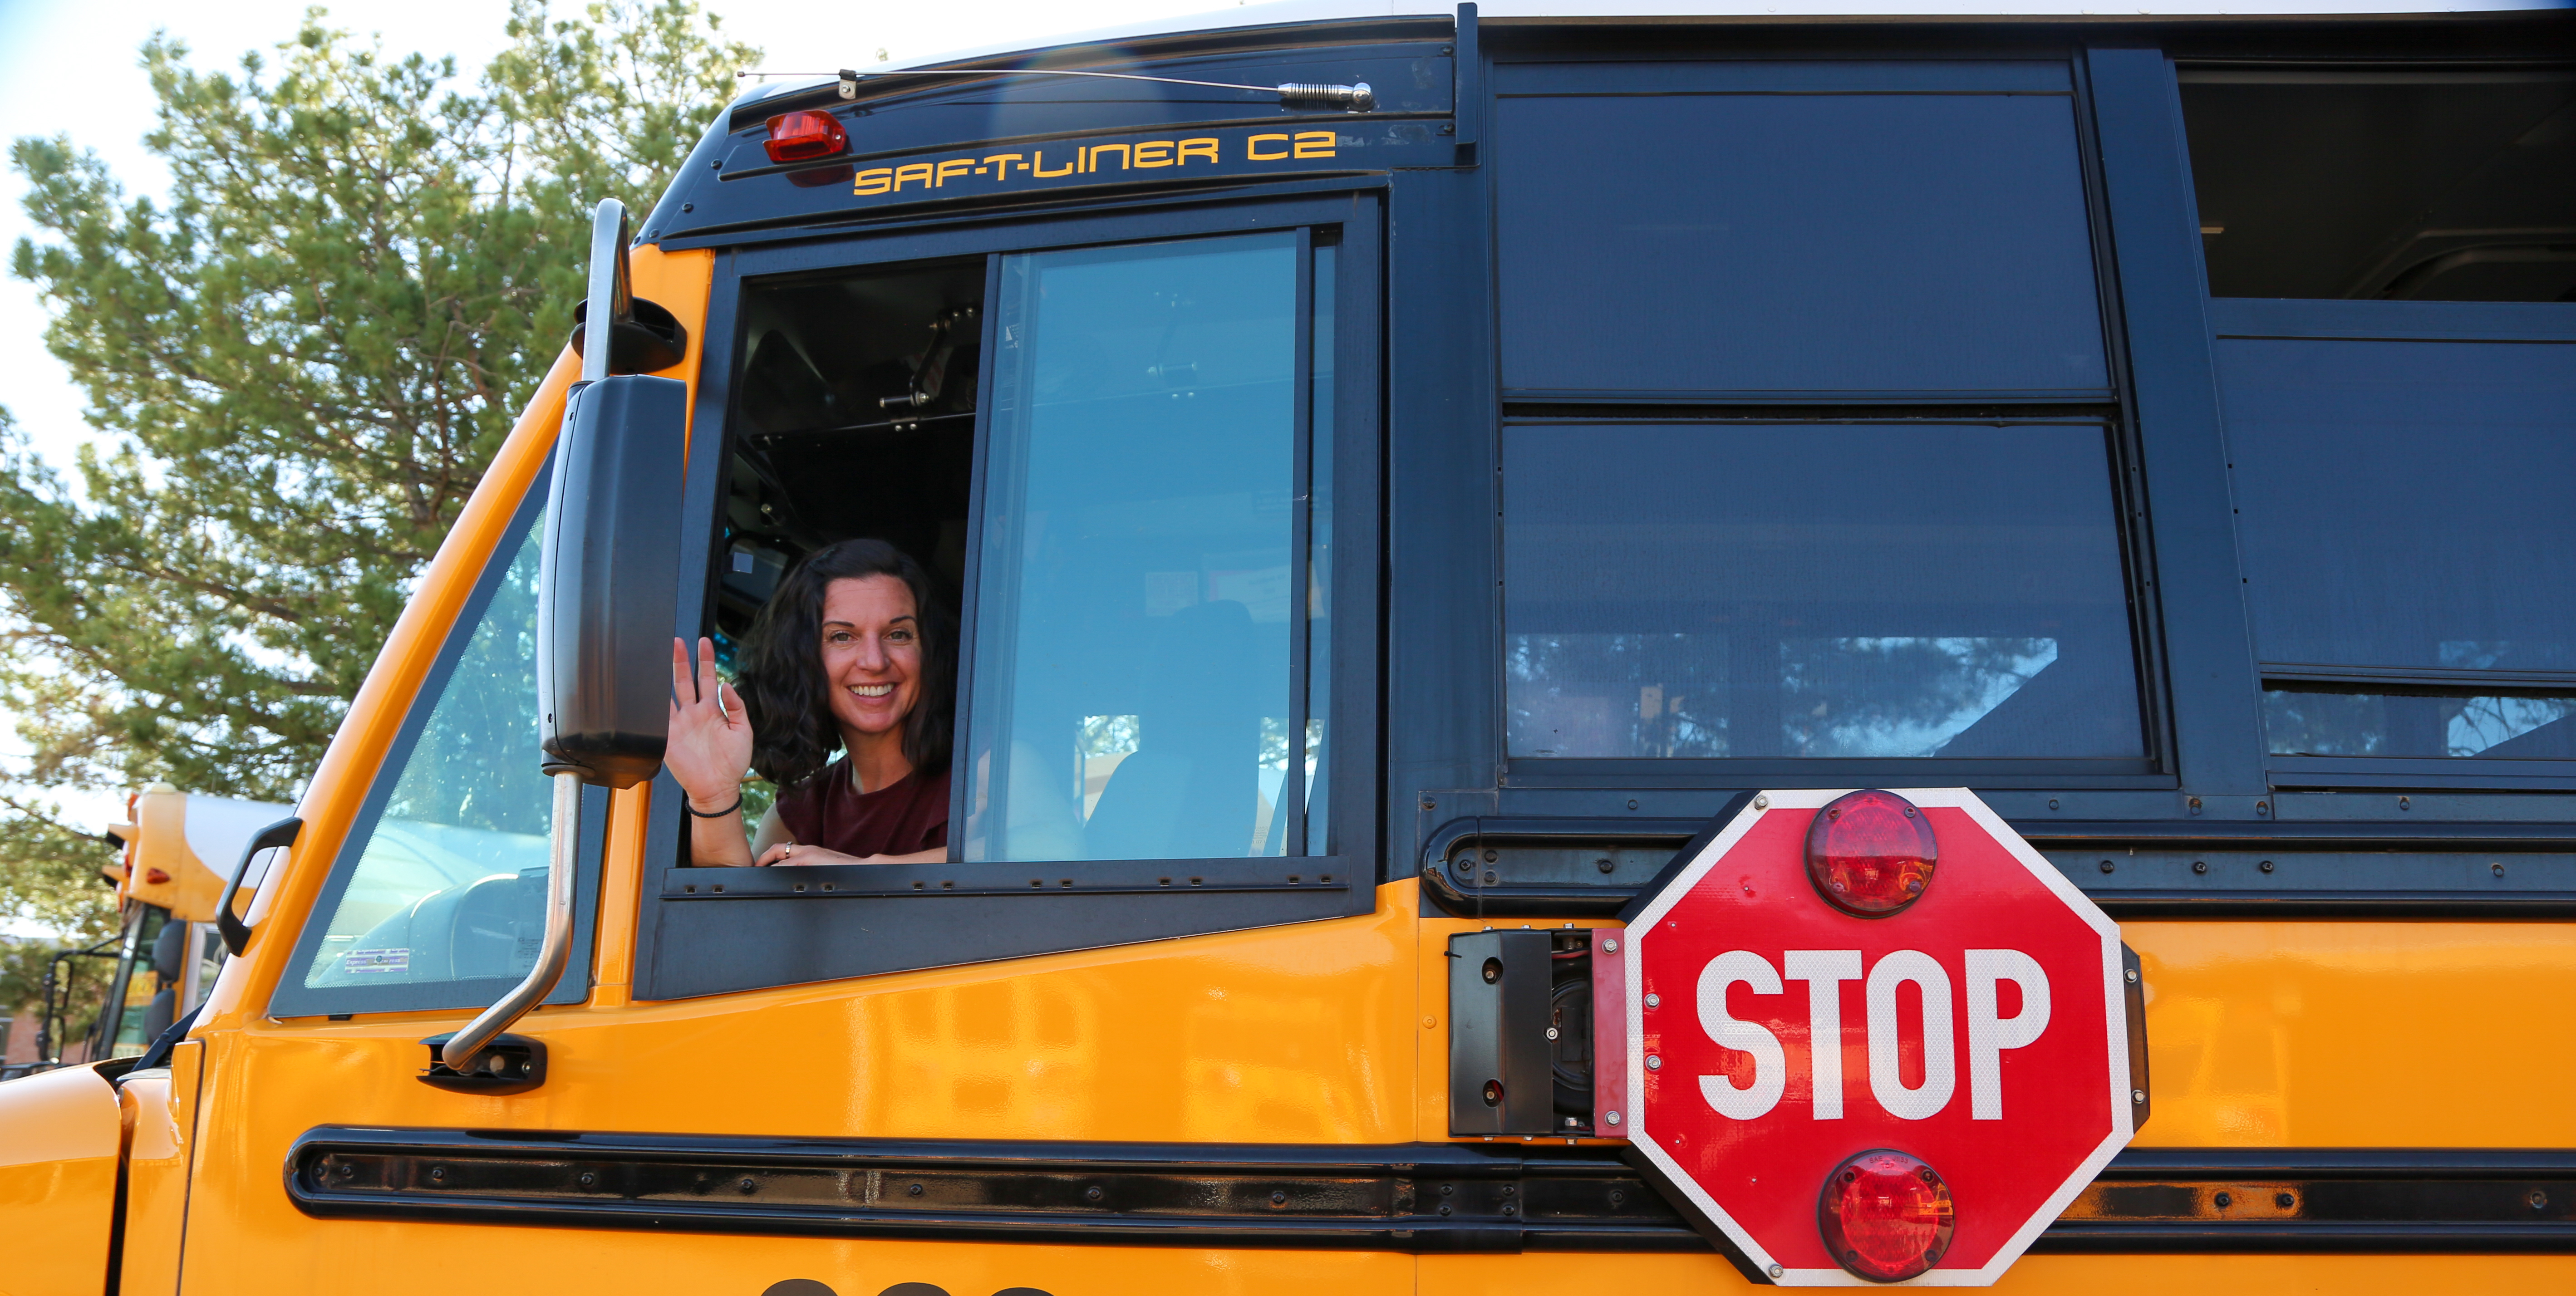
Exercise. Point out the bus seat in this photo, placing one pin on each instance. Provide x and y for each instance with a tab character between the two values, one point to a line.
1190	789
163	1010
170	951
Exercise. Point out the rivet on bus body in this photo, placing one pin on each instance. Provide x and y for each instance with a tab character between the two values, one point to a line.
1614	1118
1610	944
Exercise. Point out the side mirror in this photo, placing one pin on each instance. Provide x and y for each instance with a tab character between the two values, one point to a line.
610	584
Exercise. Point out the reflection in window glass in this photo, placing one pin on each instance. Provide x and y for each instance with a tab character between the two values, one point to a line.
1132	689
451	883
136	1024
2304	722
1808	591
1319	546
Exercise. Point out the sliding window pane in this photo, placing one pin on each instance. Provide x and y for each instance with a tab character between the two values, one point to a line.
2405	503
1132	683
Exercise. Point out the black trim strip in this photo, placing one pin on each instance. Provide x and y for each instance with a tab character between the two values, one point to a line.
1091	877
1566	867
1419	1197
1424	1197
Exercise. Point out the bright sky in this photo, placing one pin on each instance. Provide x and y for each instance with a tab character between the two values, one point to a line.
73	68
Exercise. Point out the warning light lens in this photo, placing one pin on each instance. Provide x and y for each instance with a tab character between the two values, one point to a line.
155	876
1886	1216
805	136
1871	853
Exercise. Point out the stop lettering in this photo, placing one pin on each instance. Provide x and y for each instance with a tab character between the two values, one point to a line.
1874	1036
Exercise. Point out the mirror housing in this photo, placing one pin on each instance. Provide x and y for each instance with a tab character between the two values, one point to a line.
609	588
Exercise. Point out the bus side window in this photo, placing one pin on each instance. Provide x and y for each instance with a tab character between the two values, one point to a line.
1765	229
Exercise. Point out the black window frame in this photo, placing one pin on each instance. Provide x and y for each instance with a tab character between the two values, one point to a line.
705	931
291	997
1932	69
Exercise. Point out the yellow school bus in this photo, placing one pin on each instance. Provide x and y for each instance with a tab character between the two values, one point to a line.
1394	478
176	854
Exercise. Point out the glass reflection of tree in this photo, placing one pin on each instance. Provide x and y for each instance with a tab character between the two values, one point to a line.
477	762
1658	694
1899	695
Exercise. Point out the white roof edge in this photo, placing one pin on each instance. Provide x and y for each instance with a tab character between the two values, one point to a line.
1297	12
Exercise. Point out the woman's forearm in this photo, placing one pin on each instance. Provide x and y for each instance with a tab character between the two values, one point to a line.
719	842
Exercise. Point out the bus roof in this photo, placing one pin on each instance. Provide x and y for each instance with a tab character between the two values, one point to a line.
1297	13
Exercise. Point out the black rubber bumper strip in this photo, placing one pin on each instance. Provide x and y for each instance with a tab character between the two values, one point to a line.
1417	1197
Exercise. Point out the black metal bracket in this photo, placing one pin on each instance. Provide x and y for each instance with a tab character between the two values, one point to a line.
509	1064
1467	93
2133	994
650	339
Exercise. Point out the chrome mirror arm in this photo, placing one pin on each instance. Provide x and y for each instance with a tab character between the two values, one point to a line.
610	287
564	844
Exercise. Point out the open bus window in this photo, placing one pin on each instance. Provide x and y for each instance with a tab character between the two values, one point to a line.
1131	694
855	419
2426	184
1796	591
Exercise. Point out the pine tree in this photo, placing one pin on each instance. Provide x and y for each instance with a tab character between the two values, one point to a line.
301	365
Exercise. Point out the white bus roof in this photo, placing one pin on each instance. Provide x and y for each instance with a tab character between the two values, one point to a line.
1299	12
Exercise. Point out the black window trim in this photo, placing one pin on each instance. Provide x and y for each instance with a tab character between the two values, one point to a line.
687	947
291	997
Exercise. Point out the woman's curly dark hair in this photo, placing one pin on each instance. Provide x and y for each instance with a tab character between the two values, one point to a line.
780	676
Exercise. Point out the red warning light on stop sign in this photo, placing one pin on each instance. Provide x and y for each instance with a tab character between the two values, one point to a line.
1773	1035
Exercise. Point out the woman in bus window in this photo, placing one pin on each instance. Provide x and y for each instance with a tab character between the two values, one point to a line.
853	653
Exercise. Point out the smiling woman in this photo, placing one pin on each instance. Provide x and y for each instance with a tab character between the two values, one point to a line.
853	652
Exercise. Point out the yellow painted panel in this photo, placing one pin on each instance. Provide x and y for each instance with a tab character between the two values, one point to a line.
1280	1034
59	1140
156	1179
408	1259
2358	1034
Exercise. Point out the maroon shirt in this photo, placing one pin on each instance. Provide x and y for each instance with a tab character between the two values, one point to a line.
829	811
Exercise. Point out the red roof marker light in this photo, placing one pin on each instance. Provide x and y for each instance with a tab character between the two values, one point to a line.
1871	853
1886	1216
805	137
